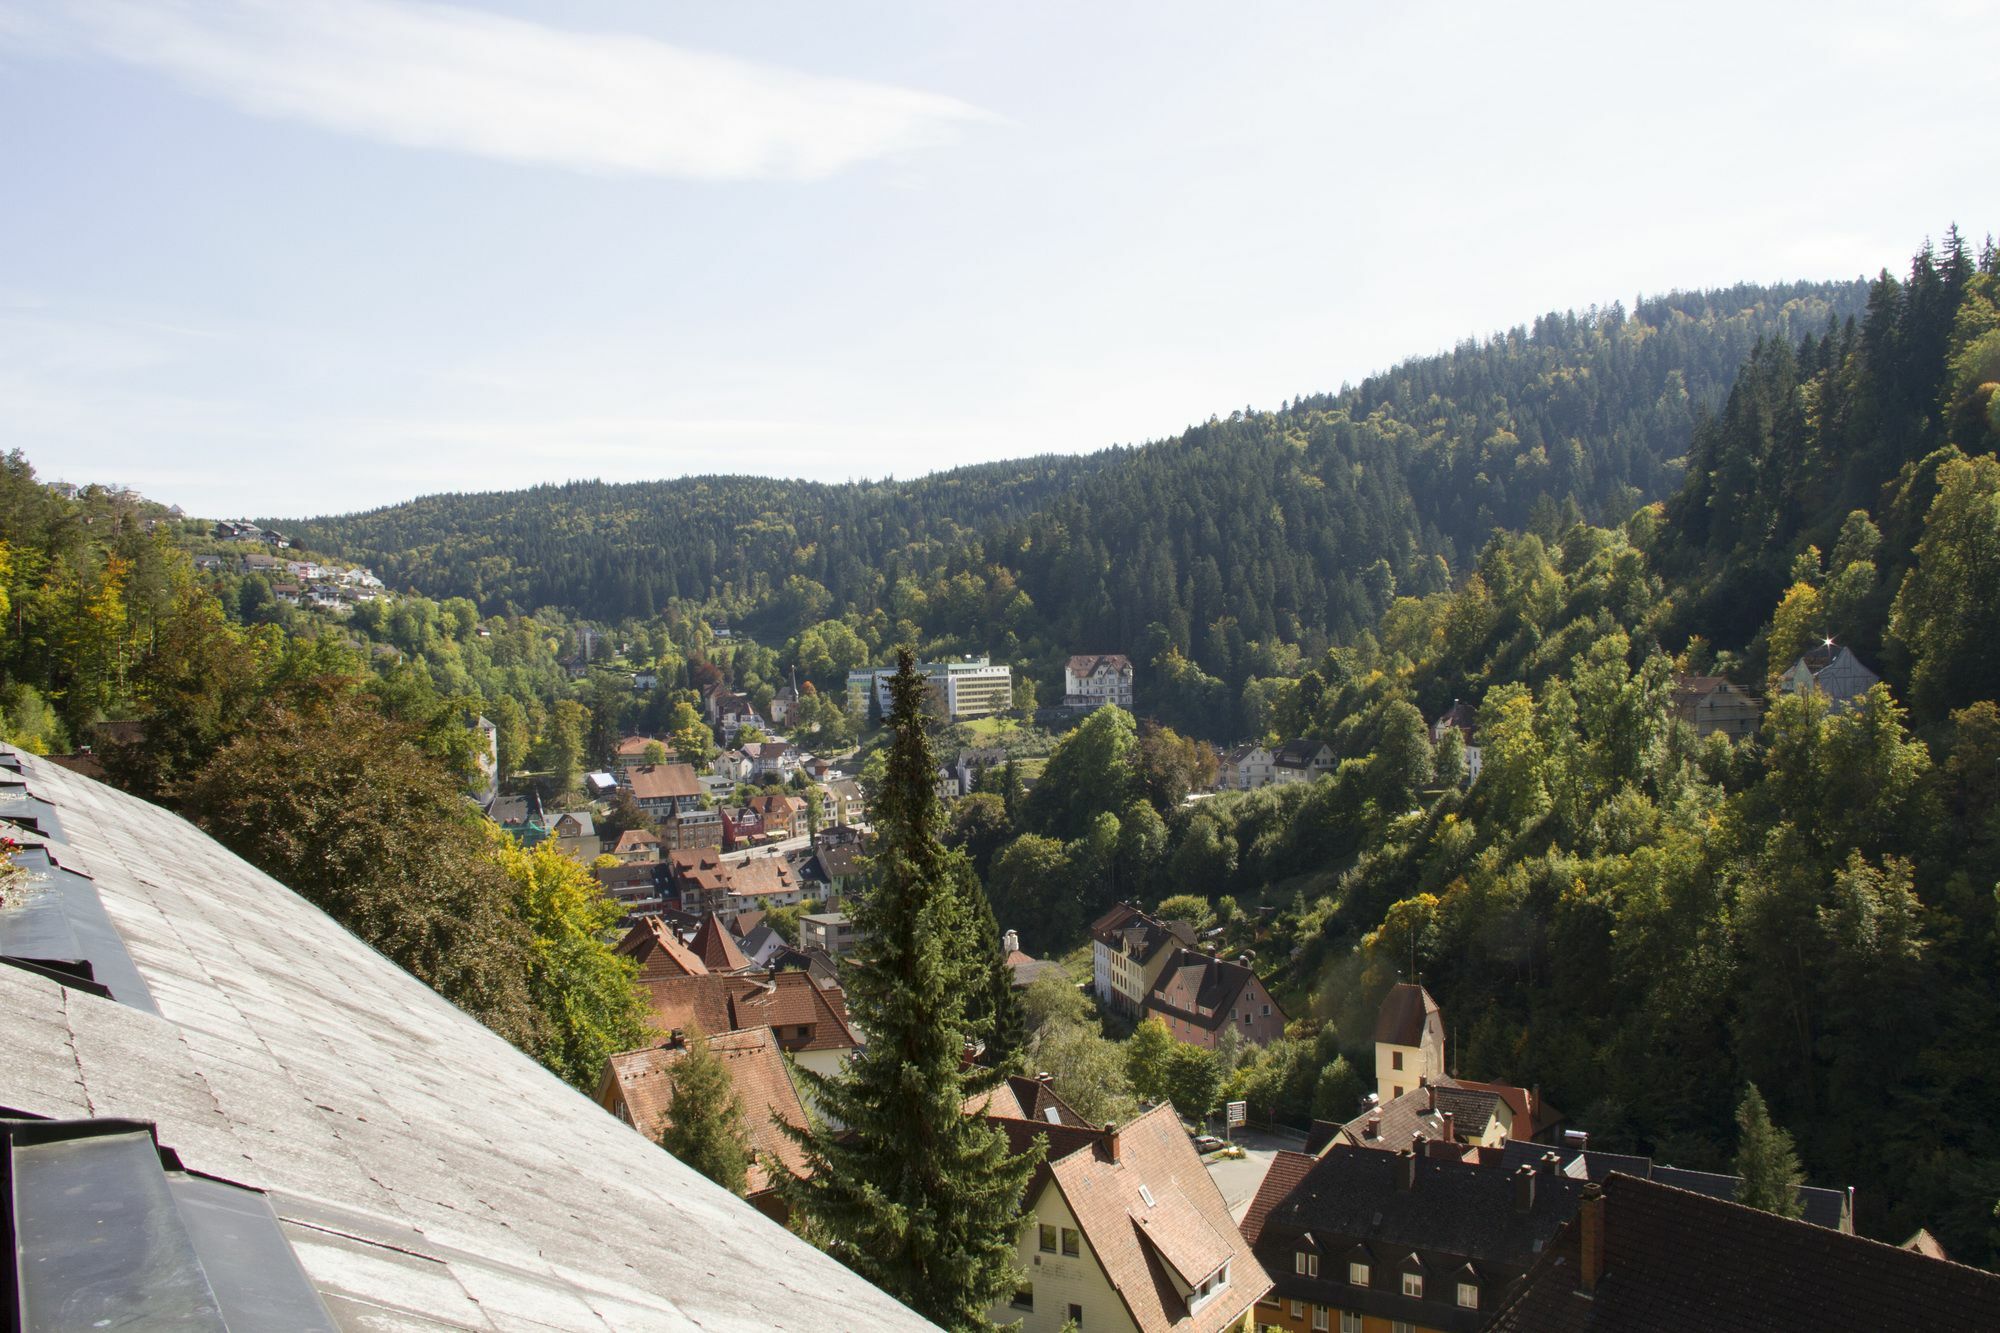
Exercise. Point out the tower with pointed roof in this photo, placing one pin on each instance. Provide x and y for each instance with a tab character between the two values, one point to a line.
1409	1040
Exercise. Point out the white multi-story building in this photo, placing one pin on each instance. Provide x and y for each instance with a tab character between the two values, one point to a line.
971	687
1092	681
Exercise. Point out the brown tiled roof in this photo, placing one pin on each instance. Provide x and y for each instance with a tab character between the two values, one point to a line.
1084	664
1287	1169
1404	1011
645	1079
1199	989
774	805
636	745
635	840
684	1002
1021	1132
652	782
1676	1260
1531	1113
659	952
760	875
712	944
1416	1112
788	1001
1187	1225
744	922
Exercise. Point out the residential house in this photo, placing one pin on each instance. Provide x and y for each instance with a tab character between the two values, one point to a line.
846	803
784	706
945	785
1375	1241
636	886
1301	761
1712	704
698	877
717	947
766	949
1818	1205
632	751
575	833
831	931
838	853
759	884
660	953
1245	768
1464	719
1643	1257
783	816
971	763
487	737
1199	997
1124	1229
808	1020
1129	950
642	681
1833	670
1094	680
521	816
670	795
638	1088
734	765
637	844
600	786
740	826
1447	1118
773	761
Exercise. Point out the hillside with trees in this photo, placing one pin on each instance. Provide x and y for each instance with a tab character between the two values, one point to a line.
1229	553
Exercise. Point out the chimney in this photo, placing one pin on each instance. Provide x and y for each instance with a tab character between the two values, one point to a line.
1111	1140
1010	942
1551	1164
1406	1170
1430	1094
676	1040
1590	1268
1450	1133
1524	1189
1044	1076
1373	1129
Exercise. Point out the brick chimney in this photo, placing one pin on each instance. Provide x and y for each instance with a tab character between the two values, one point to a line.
1450	1131
1111	1140
1524	1189
677	1040
1590	1217
1551	1164
1373	1129
1406	1170
1430	1095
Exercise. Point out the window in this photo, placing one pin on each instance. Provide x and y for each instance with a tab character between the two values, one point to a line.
1319	1318
1267	1011
1398	1091
1071	1246
1024	1296
1413	1285
1357	1273
1076	1314
1215	1282
1468	1295
1305	1264
1395	1059
1048	1239
1350	1322
1403	1326
1298	1309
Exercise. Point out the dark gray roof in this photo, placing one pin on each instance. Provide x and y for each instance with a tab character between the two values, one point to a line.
1823	1207
424	1173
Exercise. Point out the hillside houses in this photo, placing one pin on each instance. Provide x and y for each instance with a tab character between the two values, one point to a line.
1147	968
1833	670
1250	766
1091	681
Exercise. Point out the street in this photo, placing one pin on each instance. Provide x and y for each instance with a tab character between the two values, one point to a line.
1238	1180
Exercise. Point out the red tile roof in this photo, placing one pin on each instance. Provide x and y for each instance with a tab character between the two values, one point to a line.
712	944
1286	1171
645	1081
659	952
653	782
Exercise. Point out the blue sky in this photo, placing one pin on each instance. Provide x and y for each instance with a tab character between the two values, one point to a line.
297	256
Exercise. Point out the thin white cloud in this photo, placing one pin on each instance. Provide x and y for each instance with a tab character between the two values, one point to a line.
434	76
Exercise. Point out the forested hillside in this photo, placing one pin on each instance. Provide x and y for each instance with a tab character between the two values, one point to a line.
1216	553
1636	919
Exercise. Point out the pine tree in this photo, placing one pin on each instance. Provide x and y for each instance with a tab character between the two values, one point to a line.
1765	1160
706	1117
992	1006
914	1195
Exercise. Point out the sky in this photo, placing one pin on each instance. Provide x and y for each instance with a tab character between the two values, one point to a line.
290	257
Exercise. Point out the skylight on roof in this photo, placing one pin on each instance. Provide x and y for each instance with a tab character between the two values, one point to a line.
1147	1195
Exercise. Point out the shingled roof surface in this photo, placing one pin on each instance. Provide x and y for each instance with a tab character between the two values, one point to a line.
1286	1171
1675	1260
757	1070
717	951
1400	1022
1140	1245
425	1173
659	952
652	782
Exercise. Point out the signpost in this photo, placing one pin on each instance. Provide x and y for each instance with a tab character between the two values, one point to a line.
1235	1113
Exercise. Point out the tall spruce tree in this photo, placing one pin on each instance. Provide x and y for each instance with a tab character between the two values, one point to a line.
992	1006
1765	1160
705	1117
912	1193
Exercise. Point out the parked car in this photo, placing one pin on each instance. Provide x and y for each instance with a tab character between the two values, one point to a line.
1207	1143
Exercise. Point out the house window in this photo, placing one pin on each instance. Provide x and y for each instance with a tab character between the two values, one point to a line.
1076	1314
1305	1264
1403	1326
1350	1322
1048	1239
1320	1313
1413	1285
1024	1296
1298	1309
1357	1273
1395	1059
1071	1243
1468	1295
1397	1091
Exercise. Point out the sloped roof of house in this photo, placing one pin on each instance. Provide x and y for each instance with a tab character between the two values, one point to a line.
1674	1260
1421	1111
1297	754
713	945
757	1068
574	824
1200	989
635	840
634	747
657	782
789	1000
1405	1011
760	876
1287	1169
1085	664
1143	1246
658	951
418	1167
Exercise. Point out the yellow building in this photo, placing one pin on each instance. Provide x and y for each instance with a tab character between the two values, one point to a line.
1125	1230
1409	1041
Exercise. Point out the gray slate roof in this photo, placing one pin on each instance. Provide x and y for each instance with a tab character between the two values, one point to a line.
426	1174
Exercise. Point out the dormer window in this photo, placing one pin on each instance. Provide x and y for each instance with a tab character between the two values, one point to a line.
1357	1273
1413	1286
1468	1295
1306	1263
